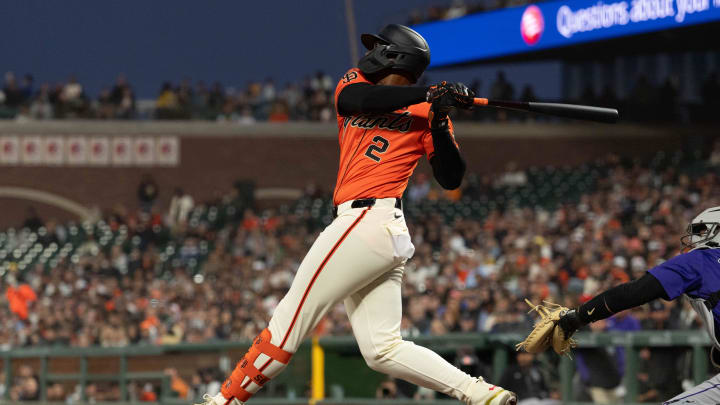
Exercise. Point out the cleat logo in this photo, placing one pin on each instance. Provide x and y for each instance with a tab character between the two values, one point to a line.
492	388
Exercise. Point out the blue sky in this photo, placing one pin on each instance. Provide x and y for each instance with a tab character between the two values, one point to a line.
233	42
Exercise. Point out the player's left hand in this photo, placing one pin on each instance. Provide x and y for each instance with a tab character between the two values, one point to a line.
444	96
450	95
548	332
569	323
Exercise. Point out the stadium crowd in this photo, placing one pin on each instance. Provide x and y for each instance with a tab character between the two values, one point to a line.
469	274
311	99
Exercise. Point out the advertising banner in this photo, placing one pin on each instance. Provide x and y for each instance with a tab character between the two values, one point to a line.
555	24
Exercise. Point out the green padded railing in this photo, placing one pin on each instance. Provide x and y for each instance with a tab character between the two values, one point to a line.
500	345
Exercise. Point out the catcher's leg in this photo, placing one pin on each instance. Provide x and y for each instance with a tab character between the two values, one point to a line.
375	312
707	392
349	253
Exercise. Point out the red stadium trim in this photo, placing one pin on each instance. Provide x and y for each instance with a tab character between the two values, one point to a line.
307	289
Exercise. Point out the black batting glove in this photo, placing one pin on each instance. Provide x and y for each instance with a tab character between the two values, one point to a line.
444	96
570	323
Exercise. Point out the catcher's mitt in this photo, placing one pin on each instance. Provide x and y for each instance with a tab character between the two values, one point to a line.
546	333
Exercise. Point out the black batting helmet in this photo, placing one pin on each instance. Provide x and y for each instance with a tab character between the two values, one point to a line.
396	48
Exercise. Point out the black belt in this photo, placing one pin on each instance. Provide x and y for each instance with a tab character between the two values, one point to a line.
366	202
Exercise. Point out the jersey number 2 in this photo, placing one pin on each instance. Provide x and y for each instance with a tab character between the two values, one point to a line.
380	145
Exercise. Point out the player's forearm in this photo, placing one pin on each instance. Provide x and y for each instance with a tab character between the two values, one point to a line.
447	162
367	98
625	296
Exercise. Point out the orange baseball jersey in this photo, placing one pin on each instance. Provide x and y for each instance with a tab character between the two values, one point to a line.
378	152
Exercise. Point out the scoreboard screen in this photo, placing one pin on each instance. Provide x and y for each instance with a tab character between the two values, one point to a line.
555	24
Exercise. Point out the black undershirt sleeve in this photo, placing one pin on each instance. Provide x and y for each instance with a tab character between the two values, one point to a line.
625	296
447	163
370	98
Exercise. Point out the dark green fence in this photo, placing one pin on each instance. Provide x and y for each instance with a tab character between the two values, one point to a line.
343	364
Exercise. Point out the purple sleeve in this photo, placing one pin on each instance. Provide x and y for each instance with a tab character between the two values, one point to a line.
680	274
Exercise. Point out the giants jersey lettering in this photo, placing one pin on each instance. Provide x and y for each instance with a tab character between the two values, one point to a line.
378	152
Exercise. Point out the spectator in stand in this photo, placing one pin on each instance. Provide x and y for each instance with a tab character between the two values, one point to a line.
526	378
125	109
598	371
147	193
72	99
27	87
19	296
181	204
167	105
457	9
420	188
625	322
148	393
14	96
501	89
180	389
608	97
32	219
40	106
185	98
266	98
26	386
279	112
512	177
123	98
105	105
216	98
658	374
528	94
56	393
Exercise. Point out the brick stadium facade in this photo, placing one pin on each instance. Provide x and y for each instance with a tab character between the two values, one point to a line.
212	157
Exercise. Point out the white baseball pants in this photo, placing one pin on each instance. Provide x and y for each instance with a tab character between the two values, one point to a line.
359	258
707	392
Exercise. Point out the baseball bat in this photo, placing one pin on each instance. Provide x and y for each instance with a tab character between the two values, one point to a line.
581	112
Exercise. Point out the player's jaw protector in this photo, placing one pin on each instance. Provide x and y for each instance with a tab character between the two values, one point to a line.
703	232
396	49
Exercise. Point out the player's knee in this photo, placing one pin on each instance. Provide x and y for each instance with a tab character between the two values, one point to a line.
379	351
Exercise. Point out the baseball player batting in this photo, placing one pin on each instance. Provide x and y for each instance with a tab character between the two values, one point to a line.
695	273
385	126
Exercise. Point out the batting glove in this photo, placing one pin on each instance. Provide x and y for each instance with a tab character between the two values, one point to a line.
444	96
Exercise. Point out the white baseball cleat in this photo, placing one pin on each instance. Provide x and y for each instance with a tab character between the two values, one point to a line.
483	393
210	400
